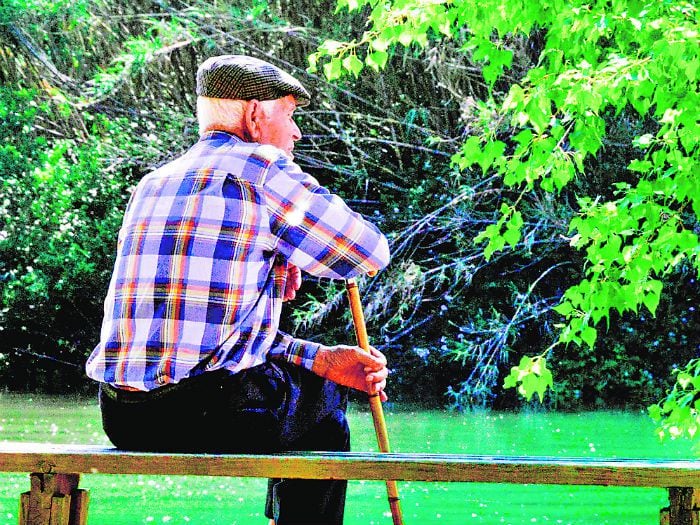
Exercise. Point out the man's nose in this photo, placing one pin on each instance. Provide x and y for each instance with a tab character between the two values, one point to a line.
296	132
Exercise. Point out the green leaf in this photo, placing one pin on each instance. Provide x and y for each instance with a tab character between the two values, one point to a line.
589	335
313	63
492	151
379	44
564	308
471	149
512	237
528	386
654	412
538	112
511	379
516	221
514	99
531	376
640	166
495	244
377	60
353	64
524	138
653	296
562	174
333	69
545	381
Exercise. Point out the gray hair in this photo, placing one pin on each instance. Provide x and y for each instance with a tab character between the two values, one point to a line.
224	114
220	113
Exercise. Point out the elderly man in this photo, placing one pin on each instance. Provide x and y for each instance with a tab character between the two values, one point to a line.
190	356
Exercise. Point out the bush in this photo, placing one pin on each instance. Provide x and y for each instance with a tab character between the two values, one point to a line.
62	202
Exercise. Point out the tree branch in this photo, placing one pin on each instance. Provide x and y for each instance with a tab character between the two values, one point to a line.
25	42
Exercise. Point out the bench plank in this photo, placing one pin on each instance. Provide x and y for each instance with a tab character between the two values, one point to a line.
28	457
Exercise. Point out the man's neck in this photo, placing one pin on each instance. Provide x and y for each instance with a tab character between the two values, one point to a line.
238	131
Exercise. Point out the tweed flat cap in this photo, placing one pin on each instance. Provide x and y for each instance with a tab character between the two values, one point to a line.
241	77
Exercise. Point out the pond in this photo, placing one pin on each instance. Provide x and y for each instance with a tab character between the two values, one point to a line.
129	500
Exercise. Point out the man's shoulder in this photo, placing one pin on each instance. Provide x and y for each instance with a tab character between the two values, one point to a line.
272	163
249	161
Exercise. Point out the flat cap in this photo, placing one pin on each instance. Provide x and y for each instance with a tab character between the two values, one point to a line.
240	77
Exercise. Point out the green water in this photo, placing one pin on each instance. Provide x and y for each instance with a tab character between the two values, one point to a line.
128	500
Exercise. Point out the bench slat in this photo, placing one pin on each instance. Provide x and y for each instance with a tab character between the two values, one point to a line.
24	457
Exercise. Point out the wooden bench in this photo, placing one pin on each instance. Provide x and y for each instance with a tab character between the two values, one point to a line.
55	499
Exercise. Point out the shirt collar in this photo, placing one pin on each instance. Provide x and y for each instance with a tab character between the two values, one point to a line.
220	137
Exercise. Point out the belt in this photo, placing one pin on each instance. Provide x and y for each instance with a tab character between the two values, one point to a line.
136	396
116	393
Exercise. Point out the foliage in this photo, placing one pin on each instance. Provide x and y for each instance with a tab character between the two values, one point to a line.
62	202
530	376
539	133
13	11
678	415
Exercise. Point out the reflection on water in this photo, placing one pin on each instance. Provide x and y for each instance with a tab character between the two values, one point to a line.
588	434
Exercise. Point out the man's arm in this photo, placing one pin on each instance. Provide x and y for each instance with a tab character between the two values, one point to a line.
346	365
316	231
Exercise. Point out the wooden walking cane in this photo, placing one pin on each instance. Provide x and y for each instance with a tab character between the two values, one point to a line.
375	404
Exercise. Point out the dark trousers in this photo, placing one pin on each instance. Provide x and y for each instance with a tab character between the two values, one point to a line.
269	408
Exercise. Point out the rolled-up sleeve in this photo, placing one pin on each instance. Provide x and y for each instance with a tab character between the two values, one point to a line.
293	350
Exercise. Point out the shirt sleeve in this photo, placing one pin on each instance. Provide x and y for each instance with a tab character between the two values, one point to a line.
295	351
315	230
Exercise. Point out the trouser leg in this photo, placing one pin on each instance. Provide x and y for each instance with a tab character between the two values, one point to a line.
315	421
297	502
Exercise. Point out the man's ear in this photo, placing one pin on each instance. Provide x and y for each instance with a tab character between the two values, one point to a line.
251	119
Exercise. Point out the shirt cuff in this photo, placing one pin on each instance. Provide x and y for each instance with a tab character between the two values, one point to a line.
295	351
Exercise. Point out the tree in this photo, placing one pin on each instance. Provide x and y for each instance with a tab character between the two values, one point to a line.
596	61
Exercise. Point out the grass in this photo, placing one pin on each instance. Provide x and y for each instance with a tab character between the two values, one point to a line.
130	500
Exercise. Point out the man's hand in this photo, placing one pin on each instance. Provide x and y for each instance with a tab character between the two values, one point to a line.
351	366
293	282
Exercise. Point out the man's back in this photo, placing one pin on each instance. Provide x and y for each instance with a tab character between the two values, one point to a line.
198	278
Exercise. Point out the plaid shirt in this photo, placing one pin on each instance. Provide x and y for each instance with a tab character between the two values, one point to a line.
202	261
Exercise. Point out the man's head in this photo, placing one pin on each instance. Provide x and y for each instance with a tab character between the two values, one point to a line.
251	98
240	77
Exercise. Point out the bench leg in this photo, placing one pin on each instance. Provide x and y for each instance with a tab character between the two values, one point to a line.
684	508
54	499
